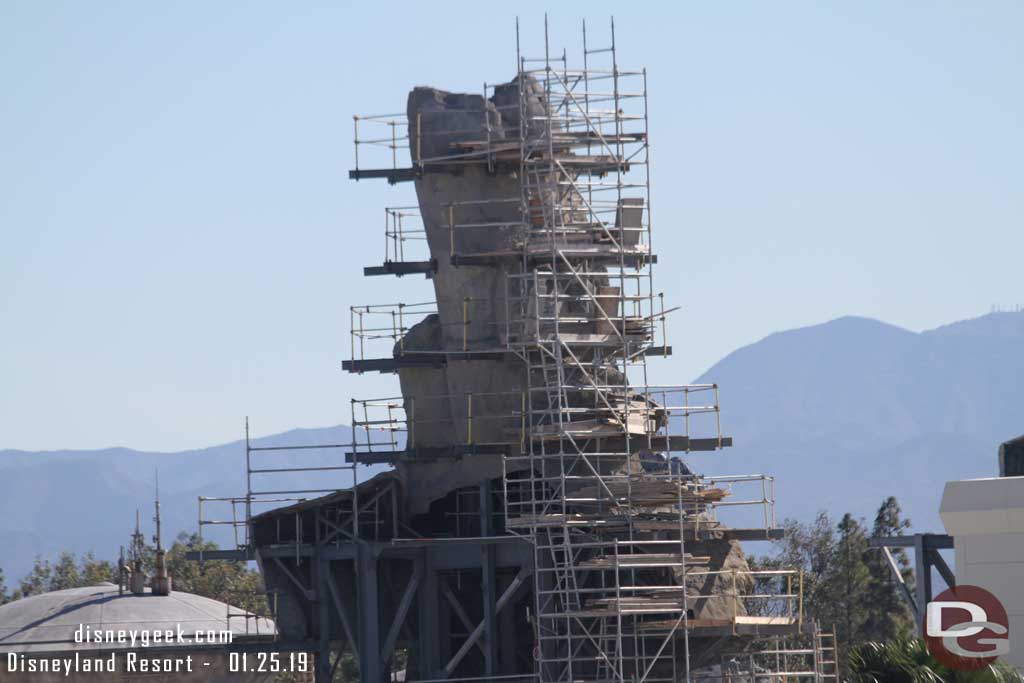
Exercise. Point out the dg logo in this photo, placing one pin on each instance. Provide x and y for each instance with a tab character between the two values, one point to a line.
966	628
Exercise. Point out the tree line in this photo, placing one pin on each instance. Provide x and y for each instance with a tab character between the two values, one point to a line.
227	581
849	586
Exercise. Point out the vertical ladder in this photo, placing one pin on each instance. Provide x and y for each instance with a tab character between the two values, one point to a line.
826	655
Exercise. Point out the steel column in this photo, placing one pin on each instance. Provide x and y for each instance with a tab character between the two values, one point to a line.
371	668
428	653
487	557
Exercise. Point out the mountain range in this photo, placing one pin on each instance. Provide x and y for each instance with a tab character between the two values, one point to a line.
81	501
843	414
853	410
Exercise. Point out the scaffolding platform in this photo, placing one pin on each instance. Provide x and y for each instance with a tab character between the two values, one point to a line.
380	456
425	454
425	359
392	175
401	268
439	359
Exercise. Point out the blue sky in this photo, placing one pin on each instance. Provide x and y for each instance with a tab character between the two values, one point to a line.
180	243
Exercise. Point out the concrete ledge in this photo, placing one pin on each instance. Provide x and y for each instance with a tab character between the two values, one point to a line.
983	506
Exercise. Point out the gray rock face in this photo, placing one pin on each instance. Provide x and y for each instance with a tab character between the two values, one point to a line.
470	299
477	211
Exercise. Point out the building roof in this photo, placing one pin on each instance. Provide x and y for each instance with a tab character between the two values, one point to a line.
1014	442
48	622
366	488
994	505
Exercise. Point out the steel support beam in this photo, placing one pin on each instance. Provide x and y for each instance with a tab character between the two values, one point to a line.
659	443
346	620
898	575
506	596
307	593
428	655
371	667
487	565
929	541
922	578
444	634
402	611
939	563
926	557
322	661
460	611
401	268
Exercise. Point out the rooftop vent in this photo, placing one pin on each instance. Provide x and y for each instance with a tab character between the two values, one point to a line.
1011	458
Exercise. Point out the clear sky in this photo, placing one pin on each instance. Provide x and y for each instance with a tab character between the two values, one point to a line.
180	242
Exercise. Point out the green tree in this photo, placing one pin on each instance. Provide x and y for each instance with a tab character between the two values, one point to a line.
95	571
906	660
224	580
3	589
846	582
37	580
809	548
65	573
888	614
349	669
227	581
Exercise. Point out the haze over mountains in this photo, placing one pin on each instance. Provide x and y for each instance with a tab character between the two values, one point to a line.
853	410
51	501
843	414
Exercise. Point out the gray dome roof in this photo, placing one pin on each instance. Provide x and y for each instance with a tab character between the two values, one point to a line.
47	622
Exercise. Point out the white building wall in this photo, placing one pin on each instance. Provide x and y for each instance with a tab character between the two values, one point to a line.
985	517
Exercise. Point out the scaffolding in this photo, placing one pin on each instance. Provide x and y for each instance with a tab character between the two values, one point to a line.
609	604
581	314
543	278
812	657
608	524
286	465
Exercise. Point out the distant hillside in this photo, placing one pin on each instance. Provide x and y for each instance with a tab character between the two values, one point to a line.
85	500
843	413
850	411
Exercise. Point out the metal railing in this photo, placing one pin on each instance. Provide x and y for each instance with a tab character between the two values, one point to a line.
290	475
405	235
390	423
745	490
381	330
382	137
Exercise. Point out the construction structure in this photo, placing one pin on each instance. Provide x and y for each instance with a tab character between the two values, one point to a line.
538	522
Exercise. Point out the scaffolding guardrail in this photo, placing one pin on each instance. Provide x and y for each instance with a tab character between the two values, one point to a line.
392	422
